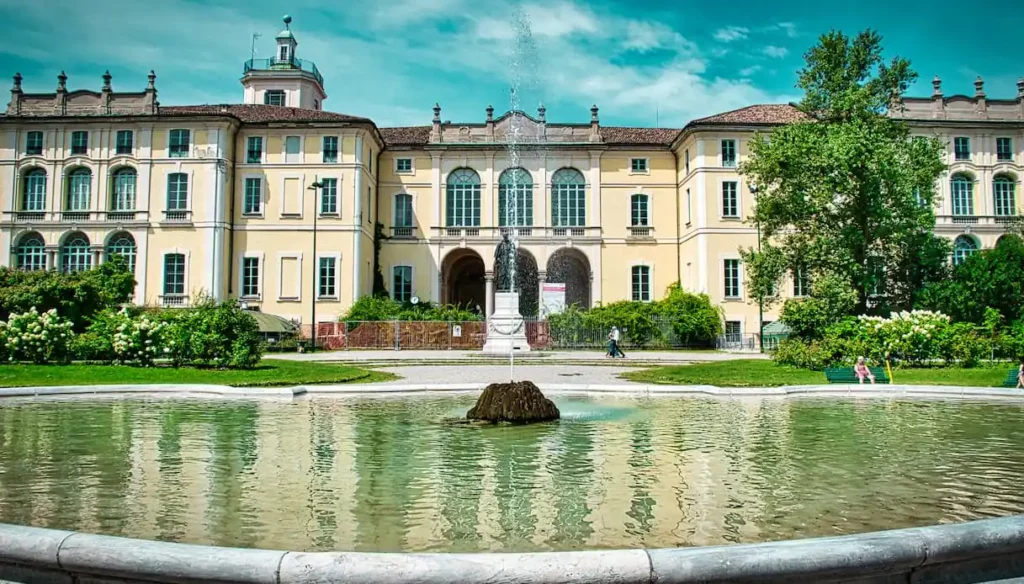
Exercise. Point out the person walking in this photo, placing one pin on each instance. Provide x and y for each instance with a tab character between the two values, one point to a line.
616	348
1020	376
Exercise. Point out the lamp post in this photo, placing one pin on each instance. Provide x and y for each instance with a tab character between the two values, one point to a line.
760	295
315	187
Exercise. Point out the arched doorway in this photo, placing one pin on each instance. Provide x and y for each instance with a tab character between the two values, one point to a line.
462	276
527	283
570	267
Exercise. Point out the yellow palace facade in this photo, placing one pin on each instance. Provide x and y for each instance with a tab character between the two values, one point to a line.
275	201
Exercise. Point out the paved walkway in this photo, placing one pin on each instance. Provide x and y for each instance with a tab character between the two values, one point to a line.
575	374
577	357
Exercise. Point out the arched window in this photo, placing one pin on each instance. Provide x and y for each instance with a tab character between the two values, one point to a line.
31	252
1003	191
123	244
124	190
33	196
963	248
515	198
462	204
568	198
963	195
75	255
177	191
79	189
639	211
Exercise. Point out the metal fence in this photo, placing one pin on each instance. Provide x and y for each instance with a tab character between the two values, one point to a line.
541	334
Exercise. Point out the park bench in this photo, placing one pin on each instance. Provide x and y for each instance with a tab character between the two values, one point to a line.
846	375
1011	378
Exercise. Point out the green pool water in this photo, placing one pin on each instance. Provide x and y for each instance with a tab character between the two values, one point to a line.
392	474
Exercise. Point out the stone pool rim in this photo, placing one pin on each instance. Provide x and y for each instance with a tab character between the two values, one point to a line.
976	551
390	389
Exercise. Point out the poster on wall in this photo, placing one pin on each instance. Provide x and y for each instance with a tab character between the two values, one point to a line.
553	301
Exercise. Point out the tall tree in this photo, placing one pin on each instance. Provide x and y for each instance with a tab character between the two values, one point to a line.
847	192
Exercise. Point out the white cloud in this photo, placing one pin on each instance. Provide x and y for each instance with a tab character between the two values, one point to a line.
748	71
788	27
731	33
647	36
775	52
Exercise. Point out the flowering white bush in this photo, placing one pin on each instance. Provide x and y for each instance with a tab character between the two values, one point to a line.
912	337
140	340
40	338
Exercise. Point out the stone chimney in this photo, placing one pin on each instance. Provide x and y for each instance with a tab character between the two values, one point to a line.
435	130
595	131
981	106
107	92
60	101
14	108
151	105
938	104
490	123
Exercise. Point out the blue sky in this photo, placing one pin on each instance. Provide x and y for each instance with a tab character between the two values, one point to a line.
641	61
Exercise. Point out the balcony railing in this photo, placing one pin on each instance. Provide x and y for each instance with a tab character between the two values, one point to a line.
76	217
641	231
177	216
403	232
278	65
525	233
174	300
980	220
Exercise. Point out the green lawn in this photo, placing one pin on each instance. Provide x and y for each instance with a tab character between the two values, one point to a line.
269	373
763	373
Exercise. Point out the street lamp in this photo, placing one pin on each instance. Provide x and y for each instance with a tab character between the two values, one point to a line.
760	295
315	187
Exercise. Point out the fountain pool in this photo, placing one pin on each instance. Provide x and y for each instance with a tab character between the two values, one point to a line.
396	474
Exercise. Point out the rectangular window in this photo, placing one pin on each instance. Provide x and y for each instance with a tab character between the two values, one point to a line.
328	272
728	152
733	331
687	157
177	192
124	143
292	149
330	149
638	165
368	209
250	277
283	55
403	165
329	196
639	216
34	143
641	281
252	203
403	210
732	278
174	274
179	143
1004	149
801	283
273	97
401	283
730	199
962	148
254	150
79	142
689	208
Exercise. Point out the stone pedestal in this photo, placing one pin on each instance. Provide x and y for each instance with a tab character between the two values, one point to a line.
506	330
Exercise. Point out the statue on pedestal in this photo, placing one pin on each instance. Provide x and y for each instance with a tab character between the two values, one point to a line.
504	256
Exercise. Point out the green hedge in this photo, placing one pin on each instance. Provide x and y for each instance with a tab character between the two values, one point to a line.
378	308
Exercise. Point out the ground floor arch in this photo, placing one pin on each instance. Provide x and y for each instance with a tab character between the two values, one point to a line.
527	282
462	280
571	267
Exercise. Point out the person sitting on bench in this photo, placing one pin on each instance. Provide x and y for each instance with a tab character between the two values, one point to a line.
861	371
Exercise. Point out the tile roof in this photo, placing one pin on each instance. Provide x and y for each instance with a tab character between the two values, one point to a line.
768	114
638	136
406	136
256	114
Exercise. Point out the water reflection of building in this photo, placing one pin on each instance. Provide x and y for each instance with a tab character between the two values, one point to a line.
217	198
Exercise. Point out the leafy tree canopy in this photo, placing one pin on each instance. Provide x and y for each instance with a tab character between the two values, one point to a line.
847	192
993	278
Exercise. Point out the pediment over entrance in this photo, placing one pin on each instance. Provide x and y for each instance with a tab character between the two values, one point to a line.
516	126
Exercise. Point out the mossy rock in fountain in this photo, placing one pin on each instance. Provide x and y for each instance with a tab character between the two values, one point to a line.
520	402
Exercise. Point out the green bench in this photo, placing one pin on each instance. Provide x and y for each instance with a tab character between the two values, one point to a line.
846	375
1011	378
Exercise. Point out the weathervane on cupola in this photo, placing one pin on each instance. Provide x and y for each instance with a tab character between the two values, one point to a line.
284	79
